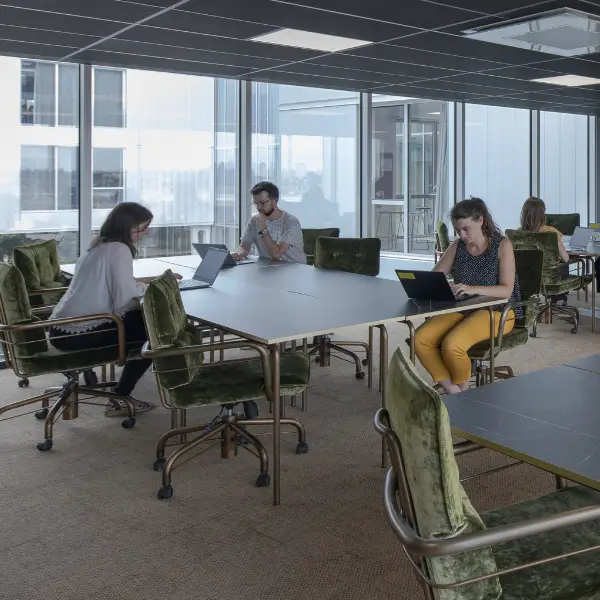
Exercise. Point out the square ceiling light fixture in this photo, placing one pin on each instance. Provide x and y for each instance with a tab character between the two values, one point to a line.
309	40
565	32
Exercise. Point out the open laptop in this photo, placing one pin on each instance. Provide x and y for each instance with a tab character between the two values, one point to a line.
580	239
207	272
430	286
202	249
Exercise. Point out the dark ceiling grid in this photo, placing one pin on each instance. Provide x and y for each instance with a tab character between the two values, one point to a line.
417	49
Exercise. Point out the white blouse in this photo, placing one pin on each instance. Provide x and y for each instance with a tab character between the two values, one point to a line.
103	282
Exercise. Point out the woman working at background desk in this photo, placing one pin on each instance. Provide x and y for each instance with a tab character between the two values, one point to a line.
482	261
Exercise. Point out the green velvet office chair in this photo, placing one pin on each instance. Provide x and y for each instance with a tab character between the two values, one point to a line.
309	237
565	223
28	353
353	255
552	284
185	382
529	272
457	553
46	284
442	240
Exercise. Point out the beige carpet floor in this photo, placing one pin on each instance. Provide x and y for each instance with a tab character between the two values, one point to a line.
83	521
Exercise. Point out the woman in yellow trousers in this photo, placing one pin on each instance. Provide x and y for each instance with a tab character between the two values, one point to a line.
482	262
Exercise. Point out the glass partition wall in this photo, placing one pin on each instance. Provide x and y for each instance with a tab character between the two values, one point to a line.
410	178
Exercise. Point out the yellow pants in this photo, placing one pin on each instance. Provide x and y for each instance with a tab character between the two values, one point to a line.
441	343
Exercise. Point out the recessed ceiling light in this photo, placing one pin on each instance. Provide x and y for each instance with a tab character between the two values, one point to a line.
309	40
568	80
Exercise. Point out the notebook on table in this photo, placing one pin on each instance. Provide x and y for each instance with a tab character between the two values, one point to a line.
202	249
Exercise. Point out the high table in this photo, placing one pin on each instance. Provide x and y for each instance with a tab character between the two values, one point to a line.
271	302
549	419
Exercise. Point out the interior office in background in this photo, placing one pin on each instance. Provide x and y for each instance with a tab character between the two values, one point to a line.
173	142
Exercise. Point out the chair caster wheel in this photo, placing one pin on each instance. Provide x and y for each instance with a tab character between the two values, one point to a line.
90	377
128	423
302	448
365	361
23	383
574	330
165	492
532	334
263	480
45	446
159	464
41	414
360	375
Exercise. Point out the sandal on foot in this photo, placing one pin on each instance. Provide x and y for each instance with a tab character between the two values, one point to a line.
140	407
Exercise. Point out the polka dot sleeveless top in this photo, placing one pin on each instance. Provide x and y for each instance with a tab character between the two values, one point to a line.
483	269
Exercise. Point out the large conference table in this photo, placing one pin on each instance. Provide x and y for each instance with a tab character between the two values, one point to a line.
273	302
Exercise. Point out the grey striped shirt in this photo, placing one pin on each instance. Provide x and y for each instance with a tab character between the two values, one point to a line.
286	230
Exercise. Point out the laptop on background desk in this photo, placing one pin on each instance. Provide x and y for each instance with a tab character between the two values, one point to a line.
430	286
202	249
580	239
206	273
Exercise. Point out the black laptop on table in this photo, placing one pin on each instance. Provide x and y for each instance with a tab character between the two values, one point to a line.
431	286
206	273
202	249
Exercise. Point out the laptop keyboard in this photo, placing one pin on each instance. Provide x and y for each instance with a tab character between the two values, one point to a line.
187	283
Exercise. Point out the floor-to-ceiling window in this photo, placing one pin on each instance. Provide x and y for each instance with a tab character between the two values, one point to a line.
39	154
167	141
564	163
305	140
406	223
497	159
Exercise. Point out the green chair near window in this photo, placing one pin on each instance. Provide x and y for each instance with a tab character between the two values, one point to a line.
309	237
185	382
352	255
529	272
552	284
442	240
28	353
565	223
40	265
457	553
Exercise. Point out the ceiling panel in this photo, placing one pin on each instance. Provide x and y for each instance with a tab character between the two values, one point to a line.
220	58
417	48
128	12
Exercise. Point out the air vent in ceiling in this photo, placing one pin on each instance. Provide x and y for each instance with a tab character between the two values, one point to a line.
565	32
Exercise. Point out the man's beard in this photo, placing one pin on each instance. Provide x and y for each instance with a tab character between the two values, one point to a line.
268	214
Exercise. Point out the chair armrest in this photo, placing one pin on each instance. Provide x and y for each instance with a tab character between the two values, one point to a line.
170	351
72	320
504	314
48	291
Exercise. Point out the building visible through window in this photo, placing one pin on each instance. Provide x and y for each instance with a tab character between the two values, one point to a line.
108	179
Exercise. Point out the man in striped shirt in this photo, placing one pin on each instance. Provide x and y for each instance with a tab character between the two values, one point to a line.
275	233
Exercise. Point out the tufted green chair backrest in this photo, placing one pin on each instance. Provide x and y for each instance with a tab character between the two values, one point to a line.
564	223
443	237
420	421
309	237
168	327
40	266
16	310
353	255
547	242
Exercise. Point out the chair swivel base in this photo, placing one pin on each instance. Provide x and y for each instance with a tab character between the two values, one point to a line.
231	430
570	314
67	405
322	350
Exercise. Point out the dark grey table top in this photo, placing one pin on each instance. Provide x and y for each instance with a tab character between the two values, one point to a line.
272	301
550	419
587	363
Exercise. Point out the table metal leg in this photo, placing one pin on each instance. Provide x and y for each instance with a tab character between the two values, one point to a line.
370	359
492	341
305	392
593	261
275	358
383	366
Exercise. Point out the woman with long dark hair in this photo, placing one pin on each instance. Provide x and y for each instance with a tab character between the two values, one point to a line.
103	282
482	261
